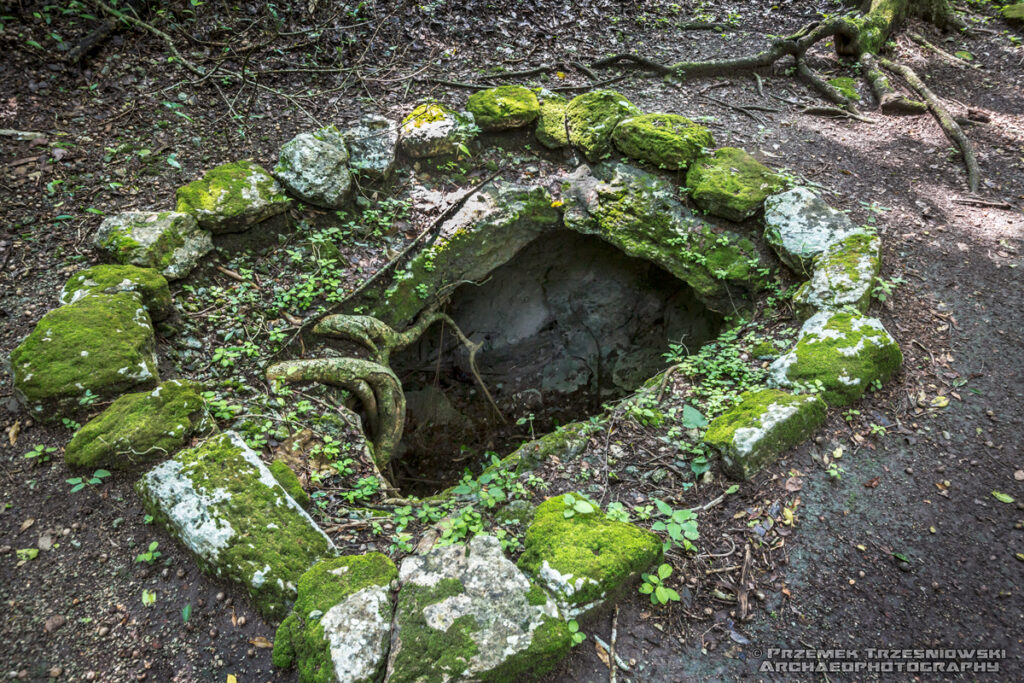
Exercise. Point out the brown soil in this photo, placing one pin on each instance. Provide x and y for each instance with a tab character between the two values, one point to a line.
908	549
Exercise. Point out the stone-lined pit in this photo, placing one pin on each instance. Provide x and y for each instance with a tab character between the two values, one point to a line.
566	324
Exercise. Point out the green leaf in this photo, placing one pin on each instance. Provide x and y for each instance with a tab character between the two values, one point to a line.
100	474
569	499
672	595
583	507
663	507
148	597
1002	497
573	626
732	489
186	613
662	594
692	418
77	487
664	571
646	588
964	55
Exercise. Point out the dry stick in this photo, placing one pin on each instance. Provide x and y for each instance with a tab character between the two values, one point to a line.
612	665
950	127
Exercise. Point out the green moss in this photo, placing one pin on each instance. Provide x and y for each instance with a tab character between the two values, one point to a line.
428	112
592	117
1013	12
732	184
844	275
845	352
428	655
753	433
300	640
665	140
604	554
551	123
102	344
289	482
232	197
551	642
271	544
149	284
847	86
140	428
565	442
507	106
125	249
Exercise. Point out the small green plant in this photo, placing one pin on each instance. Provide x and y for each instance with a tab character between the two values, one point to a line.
617	512
834	471
884	288
40	453
148	597
578	636
527	420
850	414
151	555
186	613
70	424
877	430
680	526
654	585
88	398
79	483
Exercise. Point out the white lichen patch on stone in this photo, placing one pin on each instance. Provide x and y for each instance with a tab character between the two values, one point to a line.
314	167
356	630
844	275
372	145
800	226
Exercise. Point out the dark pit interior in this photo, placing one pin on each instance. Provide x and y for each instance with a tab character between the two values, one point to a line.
568	323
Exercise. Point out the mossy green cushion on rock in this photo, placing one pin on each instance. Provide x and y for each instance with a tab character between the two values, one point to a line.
550	130
168	241
102	344
765	423
150	286
845	352
466	613
592	117
339	629
287	478
732	184
843	275
140	428
585	558
1013	13
507	106
640	214
233	197
666	140
223	504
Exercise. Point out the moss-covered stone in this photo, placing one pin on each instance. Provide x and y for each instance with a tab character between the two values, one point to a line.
800	225
732	184
1013	13
467	613
753	433
639	213
591	118
168	241
99	346
221	501
339	628
585	558
150	286
233	197
666	140
138	429
507	106
494	224
845	352
432	129
314	168
551	130
565	443
287	478
843	275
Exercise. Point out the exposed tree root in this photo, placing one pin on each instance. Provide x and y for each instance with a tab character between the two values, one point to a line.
950	127
889	101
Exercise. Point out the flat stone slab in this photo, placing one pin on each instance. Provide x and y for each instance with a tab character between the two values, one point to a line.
492	226
339	630
101	346
433	129
844	275
146	283
314	168
586	558
841	354
753	433
233	197
466	613
167	241
222	503
800	225
640	214
141	428
372	147
731	184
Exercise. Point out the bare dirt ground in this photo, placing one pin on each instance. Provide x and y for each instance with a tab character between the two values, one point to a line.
907	549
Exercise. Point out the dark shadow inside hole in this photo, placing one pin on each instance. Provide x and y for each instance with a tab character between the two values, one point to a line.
569	323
